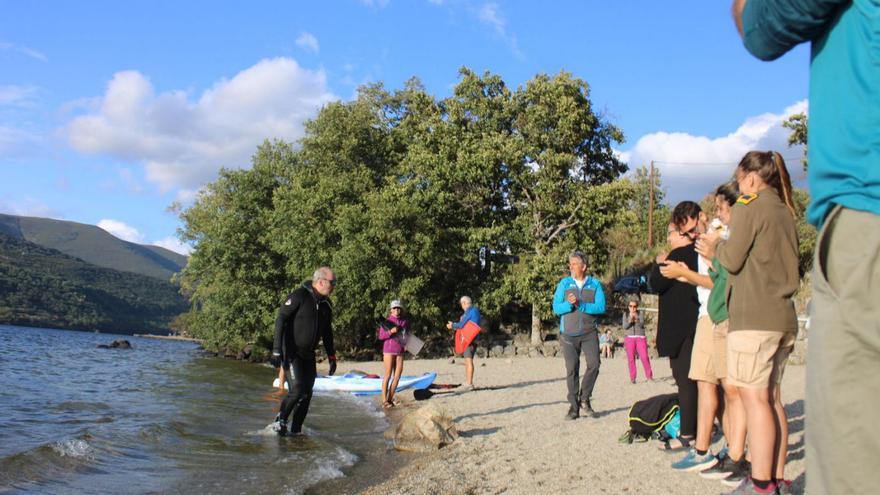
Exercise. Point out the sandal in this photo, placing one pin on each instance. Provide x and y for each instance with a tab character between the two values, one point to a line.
684	444
387	405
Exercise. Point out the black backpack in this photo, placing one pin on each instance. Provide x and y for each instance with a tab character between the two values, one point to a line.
648	417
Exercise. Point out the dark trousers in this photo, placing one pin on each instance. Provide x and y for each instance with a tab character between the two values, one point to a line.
300	378
571	351
687	388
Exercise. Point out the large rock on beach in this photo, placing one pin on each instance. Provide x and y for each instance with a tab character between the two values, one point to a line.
427	429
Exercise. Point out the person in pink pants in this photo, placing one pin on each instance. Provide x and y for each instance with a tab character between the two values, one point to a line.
635	341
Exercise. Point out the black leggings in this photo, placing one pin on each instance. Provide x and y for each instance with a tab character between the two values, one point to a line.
687	388
300	380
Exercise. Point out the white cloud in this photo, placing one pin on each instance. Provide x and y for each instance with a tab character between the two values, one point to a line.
17	95
182	142
174	244
24	50
375	3
28	207
691	166
11	139
121	230
309	42
490	14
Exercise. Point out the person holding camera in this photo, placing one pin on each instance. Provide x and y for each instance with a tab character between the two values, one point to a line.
635	343
304	318
392	332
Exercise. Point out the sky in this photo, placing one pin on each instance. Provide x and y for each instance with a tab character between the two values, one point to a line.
111	111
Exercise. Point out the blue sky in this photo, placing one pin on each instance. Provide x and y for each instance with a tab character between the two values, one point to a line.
110	111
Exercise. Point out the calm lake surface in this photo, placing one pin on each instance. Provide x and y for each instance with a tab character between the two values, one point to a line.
163	418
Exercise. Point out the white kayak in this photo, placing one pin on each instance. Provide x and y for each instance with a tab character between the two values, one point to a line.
358	384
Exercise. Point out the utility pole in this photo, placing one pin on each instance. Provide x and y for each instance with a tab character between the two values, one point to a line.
651	207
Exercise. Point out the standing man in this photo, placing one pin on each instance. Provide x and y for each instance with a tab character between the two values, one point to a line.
579	300
471	313
304	318
843	360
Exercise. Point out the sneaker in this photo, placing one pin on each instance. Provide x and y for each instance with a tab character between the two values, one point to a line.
722	469
783	487
588	411
279	426
695	462
747	487
466	388
572	413
741	470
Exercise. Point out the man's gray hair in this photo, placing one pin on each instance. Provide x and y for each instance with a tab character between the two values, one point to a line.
466	298
580	255
321	272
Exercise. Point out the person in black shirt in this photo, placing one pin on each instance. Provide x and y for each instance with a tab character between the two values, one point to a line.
304	318
676	326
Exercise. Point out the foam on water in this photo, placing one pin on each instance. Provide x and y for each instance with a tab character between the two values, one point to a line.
327	466
74	447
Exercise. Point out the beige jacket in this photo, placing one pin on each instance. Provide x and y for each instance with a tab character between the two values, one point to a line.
762	258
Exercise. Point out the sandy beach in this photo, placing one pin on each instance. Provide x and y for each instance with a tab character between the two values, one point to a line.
514	438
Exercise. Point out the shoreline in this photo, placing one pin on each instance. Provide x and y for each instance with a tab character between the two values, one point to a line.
513	438
167	337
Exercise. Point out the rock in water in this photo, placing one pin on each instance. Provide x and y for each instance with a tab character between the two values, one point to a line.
424	430
117	344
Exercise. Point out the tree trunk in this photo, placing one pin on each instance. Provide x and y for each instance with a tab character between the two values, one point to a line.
536	326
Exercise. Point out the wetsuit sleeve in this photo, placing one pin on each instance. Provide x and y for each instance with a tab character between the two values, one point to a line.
287	310
383	334
560	305
597	307
733	252
465	317
773	27
327	338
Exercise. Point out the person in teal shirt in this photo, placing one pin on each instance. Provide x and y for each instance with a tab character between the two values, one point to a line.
843	357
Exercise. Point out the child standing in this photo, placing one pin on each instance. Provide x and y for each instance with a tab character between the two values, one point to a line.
761	257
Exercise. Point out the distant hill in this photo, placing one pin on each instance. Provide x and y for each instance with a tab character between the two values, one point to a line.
94	245
44	287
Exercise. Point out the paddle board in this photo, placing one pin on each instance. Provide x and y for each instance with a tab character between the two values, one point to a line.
357	384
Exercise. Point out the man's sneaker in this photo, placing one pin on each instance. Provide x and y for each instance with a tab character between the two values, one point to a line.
279	426
572	413
695	462
747	487
588	411
741	470
722	469
783	487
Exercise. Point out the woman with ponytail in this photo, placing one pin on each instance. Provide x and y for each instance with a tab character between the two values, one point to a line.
761	257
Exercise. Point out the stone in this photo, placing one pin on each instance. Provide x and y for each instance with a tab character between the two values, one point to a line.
426	429
535	352
481	352
116	344
496	351
509	350
452	361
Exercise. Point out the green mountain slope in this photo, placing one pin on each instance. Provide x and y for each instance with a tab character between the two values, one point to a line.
94	245
47	288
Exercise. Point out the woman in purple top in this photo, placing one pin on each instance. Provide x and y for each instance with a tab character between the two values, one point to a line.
394	343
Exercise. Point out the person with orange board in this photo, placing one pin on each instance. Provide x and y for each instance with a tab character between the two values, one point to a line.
578	301
469	318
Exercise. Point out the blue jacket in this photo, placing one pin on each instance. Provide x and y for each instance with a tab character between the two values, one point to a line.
580	319
472	314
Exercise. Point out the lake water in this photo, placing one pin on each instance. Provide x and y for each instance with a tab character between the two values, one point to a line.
164	418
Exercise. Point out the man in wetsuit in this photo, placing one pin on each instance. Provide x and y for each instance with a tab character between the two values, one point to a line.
304	318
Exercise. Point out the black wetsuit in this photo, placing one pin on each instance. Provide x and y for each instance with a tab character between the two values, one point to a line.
305	318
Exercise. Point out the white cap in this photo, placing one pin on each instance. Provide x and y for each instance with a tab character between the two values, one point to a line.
396	304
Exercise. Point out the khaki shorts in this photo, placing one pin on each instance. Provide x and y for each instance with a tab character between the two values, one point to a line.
703	355
756	358
719	342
